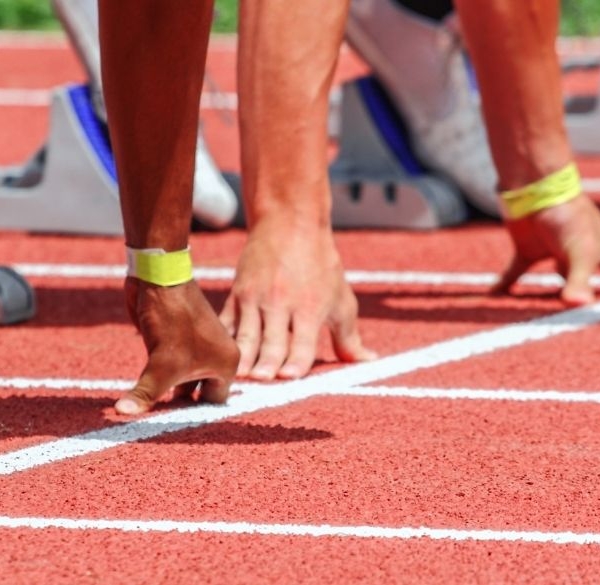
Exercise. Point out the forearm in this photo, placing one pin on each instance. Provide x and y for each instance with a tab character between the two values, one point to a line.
153	56
287	58
512	45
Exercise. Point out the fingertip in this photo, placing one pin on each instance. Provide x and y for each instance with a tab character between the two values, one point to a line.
129	406
262	374
351	349
360	355
369	355
292	372
214	392
577	296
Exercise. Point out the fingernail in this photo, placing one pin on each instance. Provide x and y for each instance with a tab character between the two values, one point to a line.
289	372
262	374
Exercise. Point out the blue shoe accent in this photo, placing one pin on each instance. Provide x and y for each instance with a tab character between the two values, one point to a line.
390	124
94	129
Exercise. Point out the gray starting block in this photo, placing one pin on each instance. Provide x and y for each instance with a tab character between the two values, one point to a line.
582	113
70	185
376	180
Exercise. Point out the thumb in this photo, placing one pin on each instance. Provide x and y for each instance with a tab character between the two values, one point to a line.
154	381
136	401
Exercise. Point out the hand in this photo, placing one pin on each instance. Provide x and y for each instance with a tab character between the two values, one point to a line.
287	286
569	233
186	344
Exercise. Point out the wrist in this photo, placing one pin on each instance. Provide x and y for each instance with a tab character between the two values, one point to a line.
156	266
552	190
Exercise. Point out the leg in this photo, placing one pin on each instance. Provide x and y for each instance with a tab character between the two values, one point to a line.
153	60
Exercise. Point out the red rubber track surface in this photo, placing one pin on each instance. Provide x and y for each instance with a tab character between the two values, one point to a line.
495	446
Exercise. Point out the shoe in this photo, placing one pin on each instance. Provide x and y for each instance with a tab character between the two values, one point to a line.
376	180
423	69
215	204
17	299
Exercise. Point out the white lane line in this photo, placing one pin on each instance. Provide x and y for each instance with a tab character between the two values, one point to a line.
316	531
25	40
452	350
506	394
65	384
380	391
226	273
591	185
106	271
32	98
281	394
147	428
219	100
21	383
38	98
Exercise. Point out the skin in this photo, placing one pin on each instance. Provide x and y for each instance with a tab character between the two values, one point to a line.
286	60
512	45
289	280
153	134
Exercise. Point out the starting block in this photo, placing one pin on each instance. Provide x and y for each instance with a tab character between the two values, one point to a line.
376	179
70	185
582	114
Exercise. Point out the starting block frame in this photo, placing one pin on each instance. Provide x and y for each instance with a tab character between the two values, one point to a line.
376	180
77	190
582	114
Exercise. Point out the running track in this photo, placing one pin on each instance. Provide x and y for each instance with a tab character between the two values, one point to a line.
469	453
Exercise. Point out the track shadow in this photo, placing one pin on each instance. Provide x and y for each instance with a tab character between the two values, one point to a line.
29	417
239	433
84	307
421	306
54	416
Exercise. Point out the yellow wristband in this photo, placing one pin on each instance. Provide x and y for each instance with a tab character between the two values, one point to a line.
558	187
156	266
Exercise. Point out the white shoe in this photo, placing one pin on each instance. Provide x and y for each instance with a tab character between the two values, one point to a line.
422	67
215	204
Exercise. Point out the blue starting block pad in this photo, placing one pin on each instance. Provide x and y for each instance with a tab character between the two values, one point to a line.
377	181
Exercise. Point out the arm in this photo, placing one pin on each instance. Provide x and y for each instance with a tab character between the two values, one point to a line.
153	58
289	280
512	45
